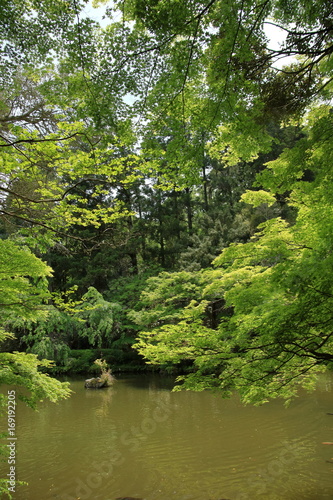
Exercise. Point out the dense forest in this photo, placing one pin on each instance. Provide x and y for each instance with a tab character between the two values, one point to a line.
166	192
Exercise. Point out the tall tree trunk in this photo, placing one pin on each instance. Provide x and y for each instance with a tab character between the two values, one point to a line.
161	230
142	232
134	261
162	251
204	176
189	211
177	215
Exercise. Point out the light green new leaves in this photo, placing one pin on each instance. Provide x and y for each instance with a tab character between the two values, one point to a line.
23	289
21	370
23	284
168	298
256	198
48	178
239	141
172	344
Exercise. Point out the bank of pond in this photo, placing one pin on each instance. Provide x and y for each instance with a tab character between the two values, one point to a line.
136	439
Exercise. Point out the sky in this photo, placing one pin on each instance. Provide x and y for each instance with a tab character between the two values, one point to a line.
276	37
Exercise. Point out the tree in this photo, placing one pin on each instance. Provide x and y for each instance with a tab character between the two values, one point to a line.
219	53
44	179
30	31
277	285
98	317
23	290
23	282
147	180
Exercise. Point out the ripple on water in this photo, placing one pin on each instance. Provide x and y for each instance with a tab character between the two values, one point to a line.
199	448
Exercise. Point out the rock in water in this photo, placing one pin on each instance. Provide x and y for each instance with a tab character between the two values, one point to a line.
95	383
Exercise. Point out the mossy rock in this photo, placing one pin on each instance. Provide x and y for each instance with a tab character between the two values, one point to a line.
95	383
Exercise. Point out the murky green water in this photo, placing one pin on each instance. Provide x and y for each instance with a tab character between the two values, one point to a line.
138	439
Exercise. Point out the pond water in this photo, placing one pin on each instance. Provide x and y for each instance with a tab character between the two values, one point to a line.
138	439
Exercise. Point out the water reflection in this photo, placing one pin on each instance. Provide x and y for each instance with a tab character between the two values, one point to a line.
139	439
104	398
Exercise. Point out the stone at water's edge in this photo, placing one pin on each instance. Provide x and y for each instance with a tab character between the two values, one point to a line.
95	383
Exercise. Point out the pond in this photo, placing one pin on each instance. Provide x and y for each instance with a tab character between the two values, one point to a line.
138	439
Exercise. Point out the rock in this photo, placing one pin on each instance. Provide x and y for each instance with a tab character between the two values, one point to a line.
105	380
95	383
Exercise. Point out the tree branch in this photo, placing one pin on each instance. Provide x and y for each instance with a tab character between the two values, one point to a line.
33	141
35	222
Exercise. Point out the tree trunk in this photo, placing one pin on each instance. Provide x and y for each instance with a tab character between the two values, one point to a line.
189	211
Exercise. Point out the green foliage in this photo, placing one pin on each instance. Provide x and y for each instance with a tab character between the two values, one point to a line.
82	360
30	30
98	318
135	146
43	175
23	284
256	198
118	358
165	297
52	350
50	337
22	371
23	289
277	285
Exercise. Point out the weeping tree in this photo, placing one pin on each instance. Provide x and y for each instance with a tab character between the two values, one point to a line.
23	292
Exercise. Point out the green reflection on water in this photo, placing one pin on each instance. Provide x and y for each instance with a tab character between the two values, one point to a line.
138	439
